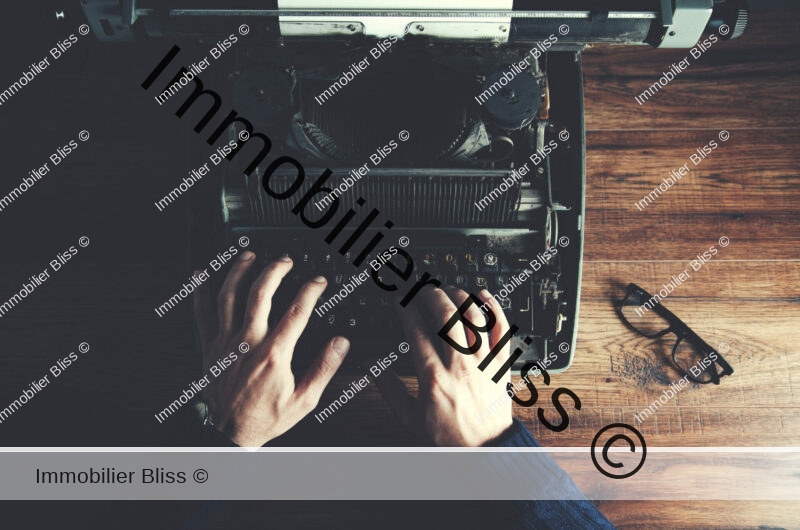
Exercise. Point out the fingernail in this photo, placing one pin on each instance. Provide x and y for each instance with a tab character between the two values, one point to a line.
320	279
485	294
286	259
247	255
341	345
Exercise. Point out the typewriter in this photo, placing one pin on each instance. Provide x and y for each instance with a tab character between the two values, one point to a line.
462	122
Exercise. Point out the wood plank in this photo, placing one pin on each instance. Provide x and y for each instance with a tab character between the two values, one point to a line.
701	514
622	236
750	173
720	279
745	190
745	83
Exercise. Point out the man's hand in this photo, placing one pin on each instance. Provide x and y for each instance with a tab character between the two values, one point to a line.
256	399
452	390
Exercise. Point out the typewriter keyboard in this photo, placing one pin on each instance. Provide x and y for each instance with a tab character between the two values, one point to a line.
369	315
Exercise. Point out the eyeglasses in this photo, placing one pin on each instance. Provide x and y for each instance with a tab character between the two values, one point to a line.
643	313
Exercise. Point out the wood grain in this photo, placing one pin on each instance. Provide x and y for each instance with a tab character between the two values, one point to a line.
623	167
746	190
748	296
702	514
746	83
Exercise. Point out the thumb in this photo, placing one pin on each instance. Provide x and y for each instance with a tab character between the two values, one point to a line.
310	389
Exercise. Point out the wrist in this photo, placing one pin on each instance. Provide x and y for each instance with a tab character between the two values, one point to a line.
210	435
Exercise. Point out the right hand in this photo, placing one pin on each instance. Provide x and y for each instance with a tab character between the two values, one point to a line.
452	390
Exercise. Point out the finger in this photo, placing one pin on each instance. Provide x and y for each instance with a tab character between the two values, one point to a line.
259	301
474	315
226	300
310	389
440	309
295	320
427	362
204	314
500	328
396	393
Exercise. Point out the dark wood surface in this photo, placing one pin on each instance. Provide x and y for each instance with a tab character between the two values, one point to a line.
747	189
747	296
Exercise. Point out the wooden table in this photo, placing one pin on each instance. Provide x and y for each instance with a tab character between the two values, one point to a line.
747	190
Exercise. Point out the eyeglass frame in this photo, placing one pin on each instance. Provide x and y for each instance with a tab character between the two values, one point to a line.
681	331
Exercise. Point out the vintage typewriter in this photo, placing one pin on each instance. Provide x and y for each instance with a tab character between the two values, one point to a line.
489	179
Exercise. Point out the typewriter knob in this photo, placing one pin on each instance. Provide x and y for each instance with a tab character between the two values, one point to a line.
734	13
516	105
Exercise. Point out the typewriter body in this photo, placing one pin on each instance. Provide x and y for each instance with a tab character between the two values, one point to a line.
462	124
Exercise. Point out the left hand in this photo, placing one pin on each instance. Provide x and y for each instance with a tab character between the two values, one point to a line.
256	398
